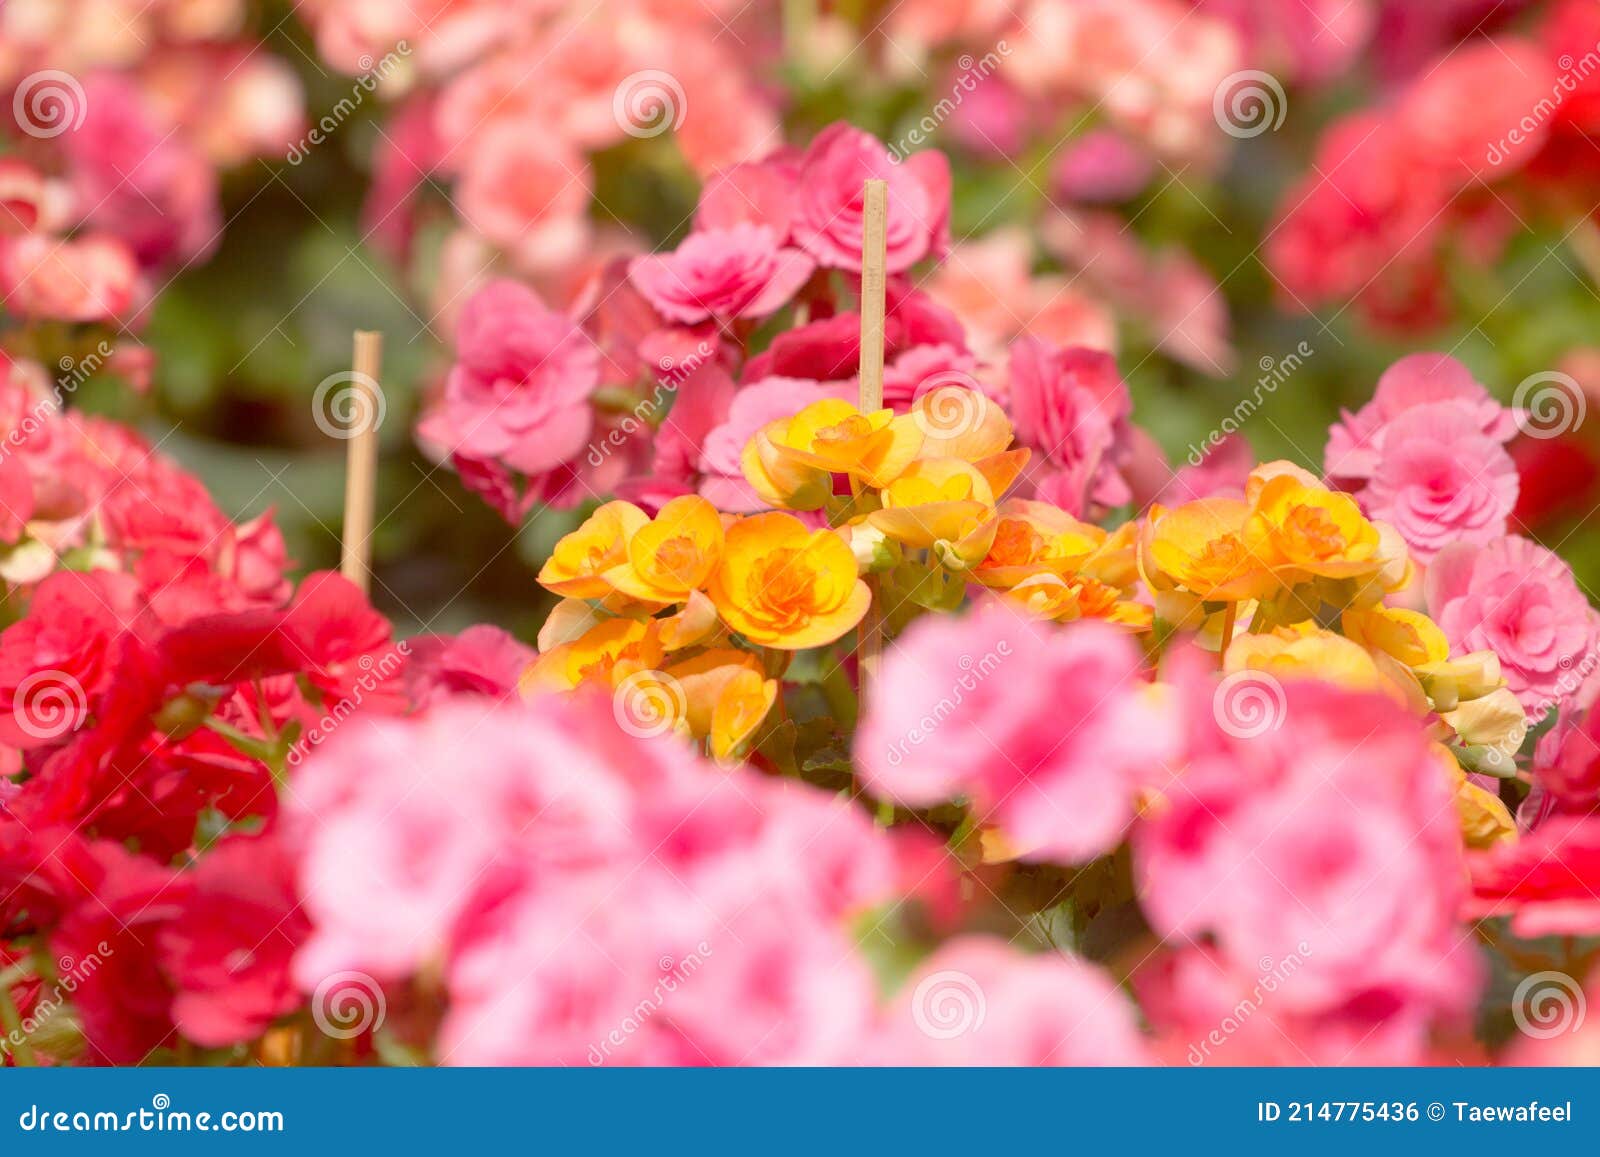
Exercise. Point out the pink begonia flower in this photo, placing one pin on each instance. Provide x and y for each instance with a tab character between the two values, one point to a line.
1355	443
519	392
1072	407
1209	1010
138	179
755	193
1517	599
980	1001
395	827
922	369
563	872
1543	881
1441	480
89	278
1102	166
722	480
481	660
829	216
730	273
1276	838
1049	732
528	193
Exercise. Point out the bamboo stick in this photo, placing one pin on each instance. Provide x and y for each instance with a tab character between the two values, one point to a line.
361	459
874	282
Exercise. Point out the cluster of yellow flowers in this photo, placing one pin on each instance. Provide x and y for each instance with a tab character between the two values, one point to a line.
1289	580
1304	573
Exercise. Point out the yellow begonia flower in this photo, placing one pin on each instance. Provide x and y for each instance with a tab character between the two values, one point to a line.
1449	682
790	462
1200	548
958	422
935	500
1308	532
603	655
673	555
1306	650
1411	637
1496	721
1485	820
725	695
577	566
1033	538
1065	600
783	585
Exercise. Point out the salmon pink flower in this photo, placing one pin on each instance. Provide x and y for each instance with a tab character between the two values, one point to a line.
1355	443
979	1001
828	220
520	392
738	272
1441	480
1046	730
1071	407
1273	838
1518	600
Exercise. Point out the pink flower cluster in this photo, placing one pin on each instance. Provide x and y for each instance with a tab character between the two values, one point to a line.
1278	851
1427	455
1494	129
592	898
648	389
124	113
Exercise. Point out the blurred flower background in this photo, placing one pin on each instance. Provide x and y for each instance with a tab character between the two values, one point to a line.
1256	205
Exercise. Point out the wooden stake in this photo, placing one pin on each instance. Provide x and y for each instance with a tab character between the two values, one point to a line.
874	289
874	280
361	460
